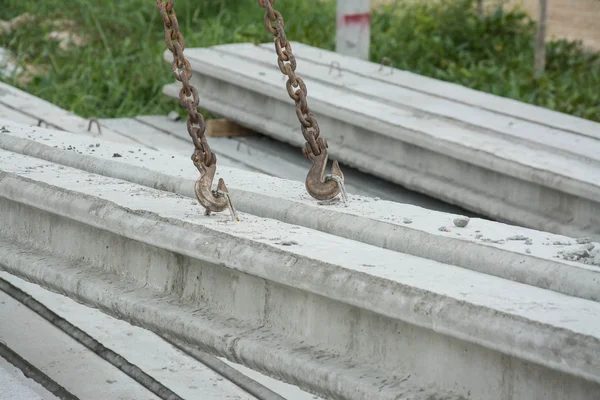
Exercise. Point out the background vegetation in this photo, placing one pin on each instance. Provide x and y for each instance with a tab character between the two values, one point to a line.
120	72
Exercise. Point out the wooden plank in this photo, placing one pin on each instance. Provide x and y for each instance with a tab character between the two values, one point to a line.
50	115
447	90
226	128
528	133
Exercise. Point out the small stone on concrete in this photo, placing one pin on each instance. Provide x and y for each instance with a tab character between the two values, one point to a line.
443	229
407	221
117	155
584	240
461	222
561	243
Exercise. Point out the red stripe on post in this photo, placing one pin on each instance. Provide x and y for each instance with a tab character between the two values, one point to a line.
357	19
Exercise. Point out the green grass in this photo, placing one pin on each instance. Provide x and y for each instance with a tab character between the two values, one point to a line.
120	72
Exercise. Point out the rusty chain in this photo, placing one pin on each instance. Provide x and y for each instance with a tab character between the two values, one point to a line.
319	185
295	85
203	158
188	95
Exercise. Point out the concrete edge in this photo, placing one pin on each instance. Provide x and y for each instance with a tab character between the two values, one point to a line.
547	274
556	348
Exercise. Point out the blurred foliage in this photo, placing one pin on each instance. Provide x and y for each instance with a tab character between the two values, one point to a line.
120	71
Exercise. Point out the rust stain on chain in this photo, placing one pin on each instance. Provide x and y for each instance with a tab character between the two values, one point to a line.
203	158
318	185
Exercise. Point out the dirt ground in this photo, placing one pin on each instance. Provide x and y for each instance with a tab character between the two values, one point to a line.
571	19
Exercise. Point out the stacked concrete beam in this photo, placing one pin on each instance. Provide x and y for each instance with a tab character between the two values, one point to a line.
501	158
377	300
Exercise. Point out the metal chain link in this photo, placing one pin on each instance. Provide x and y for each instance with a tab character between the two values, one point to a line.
188	95
295	85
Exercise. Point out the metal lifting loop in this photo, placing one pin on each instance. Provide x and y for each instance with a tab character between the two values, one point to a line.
318	185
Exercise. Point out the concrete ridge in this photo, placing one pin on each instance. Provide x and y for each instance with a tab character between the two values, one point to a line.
425	294
426	301
379	223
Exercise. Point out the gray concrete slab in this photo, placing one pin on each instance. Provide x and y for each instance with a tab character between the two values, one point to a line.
340	317
500	165
67	362
176	370
536	258
47	114
265	155
447	90
16	386
147	135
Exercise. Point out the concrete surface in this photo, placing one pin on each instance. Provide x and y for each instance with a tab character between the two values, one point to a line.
47	114
64	360
176	370
519	254
332	315
265	155
16	386
504	167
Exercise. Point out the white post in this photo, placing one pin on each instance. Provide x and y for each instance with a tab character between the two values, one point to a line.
353	34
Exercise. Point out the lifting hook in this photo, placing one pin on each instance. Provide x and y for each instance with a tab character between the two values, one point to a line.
211	200
323	186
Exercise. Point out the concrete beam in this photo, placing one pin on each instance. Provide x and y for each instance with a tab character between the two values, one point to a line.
176	370
264	155
18	105
335	316
523	255
499	164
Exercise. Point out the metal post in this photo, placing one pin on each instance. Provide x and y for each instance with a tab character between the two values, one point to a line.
480	10
353	34
540	40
